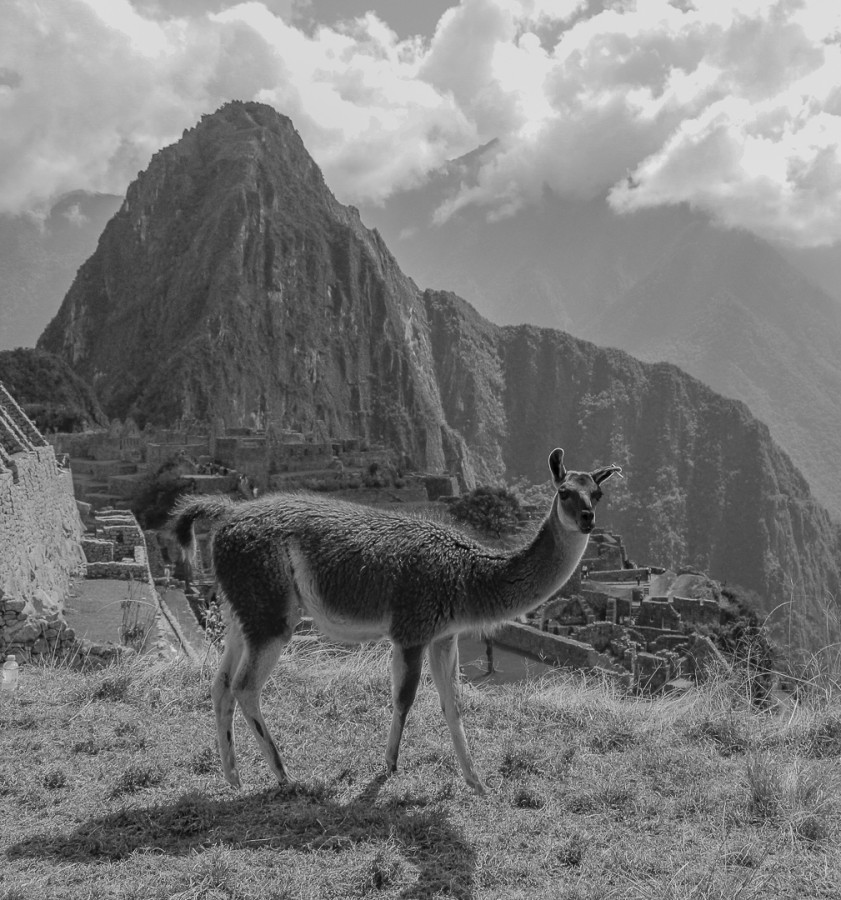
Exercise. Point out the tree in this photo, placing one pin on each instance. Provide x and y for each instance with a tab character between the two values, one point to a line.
493	510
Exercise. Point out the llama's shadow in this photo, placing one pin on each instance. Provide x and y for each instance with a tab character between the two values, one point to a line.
299	817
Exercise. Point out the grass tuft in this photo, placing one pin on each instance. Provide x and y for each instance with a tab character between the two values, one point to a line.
204	762
112	687
54	779
525	798
801	799
135	778
728	734
823	738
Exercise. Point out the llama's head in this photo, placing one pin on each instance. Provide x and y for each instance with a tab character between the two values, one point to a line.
578	492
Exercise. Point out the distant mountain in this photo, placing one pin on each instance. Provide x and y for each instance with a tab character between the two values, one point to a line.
558	263
50	392
728	308
746	318
232	287
39	259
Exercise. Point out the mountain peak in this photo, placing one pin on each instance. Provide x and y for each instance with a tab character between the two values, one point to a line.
232	286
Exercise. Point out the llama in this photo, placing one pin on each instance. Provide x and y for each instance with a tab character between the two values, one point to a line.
365	574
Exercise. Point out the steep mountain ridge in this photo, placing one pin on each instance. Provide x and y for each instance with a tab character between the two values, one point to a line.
232	287
730	310
704	485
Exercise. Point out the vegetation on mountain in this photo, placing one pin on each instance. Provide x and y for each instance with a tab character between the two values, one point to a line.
50	392
111	788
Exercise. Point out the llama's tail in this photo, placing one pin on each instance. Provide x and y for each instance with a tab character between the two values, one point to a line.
185	513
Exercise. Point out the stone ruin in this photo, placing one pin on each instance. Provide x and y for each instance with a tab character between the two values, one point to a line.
44	546
111	466
603	620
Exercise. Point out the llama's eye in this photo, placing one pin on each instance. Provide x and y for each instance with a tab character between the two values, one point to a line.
596	496
563	493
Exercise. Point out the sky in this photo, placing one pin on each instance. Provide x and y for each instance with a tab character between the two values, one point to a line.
731	106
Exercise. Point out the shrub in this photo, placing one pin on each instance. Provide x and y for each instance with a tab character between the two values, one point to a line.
493	510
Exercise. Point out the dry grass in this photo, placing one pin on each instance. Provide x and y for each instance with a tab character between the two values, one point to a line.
110	788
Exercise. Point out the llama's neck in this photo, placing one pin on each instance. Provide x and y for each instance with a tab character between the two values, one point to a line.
521	580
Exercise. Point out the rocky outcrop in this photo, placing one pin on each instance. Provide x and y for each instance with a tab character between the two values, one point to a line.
232	286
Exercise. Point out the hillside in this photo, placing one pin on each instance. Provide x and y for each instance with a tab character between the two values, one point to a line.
111	789
705	484
39	259
232	287
49	391
729	309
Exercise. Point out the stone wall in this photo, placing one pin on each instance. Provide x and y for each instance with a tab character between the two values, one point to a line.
40	532
97	550
119	571
698	611
23	632
658	612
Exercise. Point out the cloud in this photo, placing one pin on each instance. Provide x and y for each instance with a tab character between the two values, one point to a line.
731	106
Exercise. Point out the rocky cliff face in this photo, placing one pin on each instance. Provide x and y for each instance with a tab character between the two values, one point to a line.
729	309
704	484
231	286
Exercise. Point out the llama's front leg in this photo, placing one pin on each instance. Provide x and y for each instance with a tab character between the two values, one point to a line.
406	665
443	661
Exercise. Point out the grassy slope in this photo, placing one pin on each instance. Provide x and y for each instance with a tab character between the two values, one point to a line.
110	787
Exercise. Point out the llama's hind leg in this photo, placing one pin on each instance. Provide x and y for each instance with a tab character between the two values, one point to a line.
254	669
406	665
224	703
443	662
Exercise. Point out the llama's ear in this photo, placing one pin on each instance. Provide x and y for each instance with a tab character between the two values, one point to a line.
556	466
601	475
